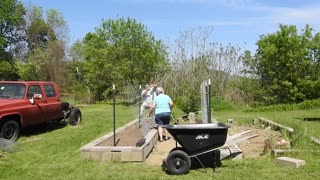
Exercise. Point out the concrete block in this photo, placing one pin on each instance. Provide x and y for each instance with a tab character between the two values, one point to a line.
192	118
268	128
237	153
255	121
230	121
286	161
213	120
283	144
233	152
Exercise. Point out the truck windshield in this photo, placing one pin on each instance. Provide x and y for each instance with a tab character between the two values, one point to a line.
12	91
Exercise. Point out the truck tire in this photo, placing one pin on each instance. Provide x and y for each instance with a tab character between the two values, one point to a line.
75	116
10	130
65	105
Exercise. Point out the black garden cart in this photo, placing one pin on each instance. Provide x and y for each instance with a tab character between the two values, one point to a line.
198	140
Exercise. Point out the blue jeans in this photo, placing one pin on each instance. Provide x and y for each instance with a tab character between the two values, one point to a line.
163	118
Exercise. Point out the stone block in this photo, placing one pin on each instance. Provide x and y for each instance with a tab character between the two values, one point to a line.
291	162
255	121
230	121
283	144
192	118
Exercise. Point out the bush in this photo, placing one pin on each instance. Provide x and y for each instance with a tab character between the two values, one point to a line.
188	103
220	104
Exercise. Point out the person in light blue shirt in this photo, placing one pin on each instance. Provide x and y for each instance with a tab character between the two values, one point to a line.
162	106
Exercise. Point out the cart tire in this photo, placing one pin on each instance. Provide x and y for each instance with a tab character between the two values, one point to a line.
75	116
176	148
178	162
10	130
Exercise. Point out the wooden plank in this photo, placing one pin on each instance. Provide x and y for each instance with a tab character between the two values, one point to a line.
239	140
311	119
237	135
291	130
275	152
315	140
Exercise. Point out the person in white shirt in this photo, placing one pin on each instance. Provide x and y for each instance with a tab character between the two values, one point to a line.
148	94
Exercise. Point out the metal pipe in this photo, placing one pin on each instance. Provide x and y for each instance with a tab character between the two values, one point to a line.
209	99
114	115
139	104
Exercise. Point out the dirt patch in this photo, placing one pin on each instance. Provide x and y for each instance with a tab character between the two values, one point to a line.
160	152
255	147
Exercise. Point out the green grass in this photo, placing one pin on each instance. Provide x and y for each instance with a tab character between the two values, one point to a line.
294	119
55	154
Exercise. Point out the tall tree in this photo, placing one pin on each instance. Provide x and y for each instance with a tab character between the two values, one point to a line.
121	49
47	37
57	23
11	34
284	62
39	34
33	13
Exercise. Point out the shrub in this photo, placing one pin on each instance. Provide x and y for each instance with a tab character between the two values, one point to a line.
220	104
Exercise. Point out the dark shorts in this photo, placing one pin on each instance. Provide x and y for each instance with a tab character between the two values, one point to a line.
163	118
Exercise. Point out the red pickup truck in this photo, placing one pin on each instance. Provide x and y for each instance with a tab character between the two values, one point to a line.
28	103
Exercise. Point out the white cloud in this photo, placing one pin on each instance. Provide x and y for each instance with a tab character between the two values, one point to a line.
272	15
296	15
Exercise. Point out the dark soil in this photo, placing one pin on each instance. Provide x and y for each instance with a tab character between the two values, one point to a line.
128	137
131	135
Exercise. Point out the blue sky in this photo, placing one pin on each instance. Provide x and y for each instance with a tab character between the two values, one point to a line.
239	22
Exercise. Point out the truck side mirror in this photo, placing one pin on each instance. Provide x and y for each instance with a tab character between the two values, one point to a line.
32	100
35	96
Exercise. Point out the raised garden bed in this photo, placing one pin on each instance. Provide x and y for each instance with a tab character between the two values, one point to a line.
133	142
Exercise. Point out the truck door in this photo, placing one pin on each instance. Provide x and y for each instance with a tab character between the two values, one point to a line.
36	112
54	109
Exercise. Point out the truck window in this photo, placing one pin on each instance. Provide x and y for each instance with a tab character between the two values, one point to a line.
33	89
49	90
12	90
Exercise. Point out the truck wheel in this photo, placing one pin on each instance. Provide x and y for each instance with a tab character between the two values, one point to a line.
178	162
65	105
10	130
75	116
